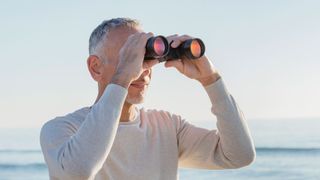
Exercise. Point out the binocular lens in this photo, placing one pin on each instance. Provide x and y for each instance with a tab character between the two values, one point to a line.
156	47
195	48
159	46
192	48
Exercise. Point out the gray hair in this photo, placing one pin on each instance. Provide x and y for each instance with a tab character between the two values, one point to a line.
100	32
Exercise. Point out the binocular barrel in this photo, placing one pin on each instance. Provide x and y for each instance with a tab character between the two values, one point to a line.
158	47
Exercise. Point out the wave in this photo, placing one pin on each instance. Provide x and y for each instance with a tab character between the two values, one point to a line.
258	149
23	166
24	151
288	149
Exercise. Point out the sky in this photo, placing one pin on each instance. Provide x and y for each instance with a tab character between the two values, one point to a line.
267	53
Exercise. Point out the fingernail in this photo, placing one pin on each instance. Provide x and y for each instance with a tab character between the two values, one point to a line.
174	44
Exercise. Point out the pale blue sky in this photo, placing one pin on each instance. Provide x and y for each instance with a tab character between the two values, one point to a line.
267	52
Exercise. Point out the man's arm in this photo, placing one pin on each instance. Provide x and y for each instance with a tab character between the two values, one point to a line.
80	153
230	146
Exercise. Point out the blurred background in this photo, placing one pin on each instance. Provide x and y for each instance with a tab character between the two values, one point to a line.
268	53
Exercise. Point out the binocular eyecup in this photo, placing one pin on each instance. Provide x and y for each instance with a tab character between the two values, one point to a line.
158	47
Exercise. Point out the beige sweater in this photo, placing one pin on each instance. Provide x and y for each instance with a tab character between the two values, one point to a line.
90	143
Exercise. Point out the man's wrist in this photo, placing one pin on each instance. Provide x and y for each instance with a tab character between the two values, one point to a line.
205	81
120	80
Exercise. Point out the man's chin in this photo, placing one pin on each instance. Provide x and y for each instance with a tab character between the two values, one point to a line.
135	100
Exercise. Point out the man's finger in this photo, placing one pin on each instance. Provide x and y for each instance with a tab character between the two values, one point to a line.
178	40
178	64
144	38
171	37
150	63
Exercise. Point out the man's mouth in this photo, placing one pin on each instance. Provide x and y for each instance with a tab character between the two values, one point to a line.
139	85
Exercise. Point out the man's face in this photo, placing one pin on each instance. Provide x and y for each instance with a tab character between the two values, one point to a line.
115	40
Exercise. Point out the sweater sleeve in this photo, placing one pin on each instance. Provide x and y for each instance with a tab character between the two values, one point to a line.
228	146
79	153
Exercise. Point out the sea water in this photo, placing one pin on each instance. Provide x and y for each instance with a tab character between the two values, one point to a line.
286	149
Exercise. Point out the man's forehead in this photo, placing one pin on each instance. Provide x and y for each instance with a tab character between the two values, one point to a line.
121	34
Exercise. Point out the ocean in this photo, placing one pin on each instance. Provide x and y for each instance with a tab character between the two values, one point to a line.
286	149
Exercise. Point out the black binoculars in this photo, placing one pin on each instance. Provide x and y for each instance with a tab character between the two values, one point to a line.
159	48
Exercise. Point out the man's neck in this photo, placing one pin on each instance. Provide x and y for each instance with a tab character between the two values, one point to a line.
128	112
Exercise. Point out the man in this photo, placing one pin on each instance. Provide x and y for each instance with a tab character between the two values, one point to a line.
113	139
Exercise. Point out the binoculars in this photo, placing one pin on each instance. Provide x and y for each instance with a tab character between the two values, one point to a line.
158	47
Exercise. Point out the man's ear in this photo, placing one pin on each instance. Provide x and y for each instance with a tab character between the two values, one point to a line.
95	68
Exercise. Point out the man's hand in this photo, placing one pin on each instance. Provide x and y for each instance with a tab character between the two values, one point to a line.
131	56
200	69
